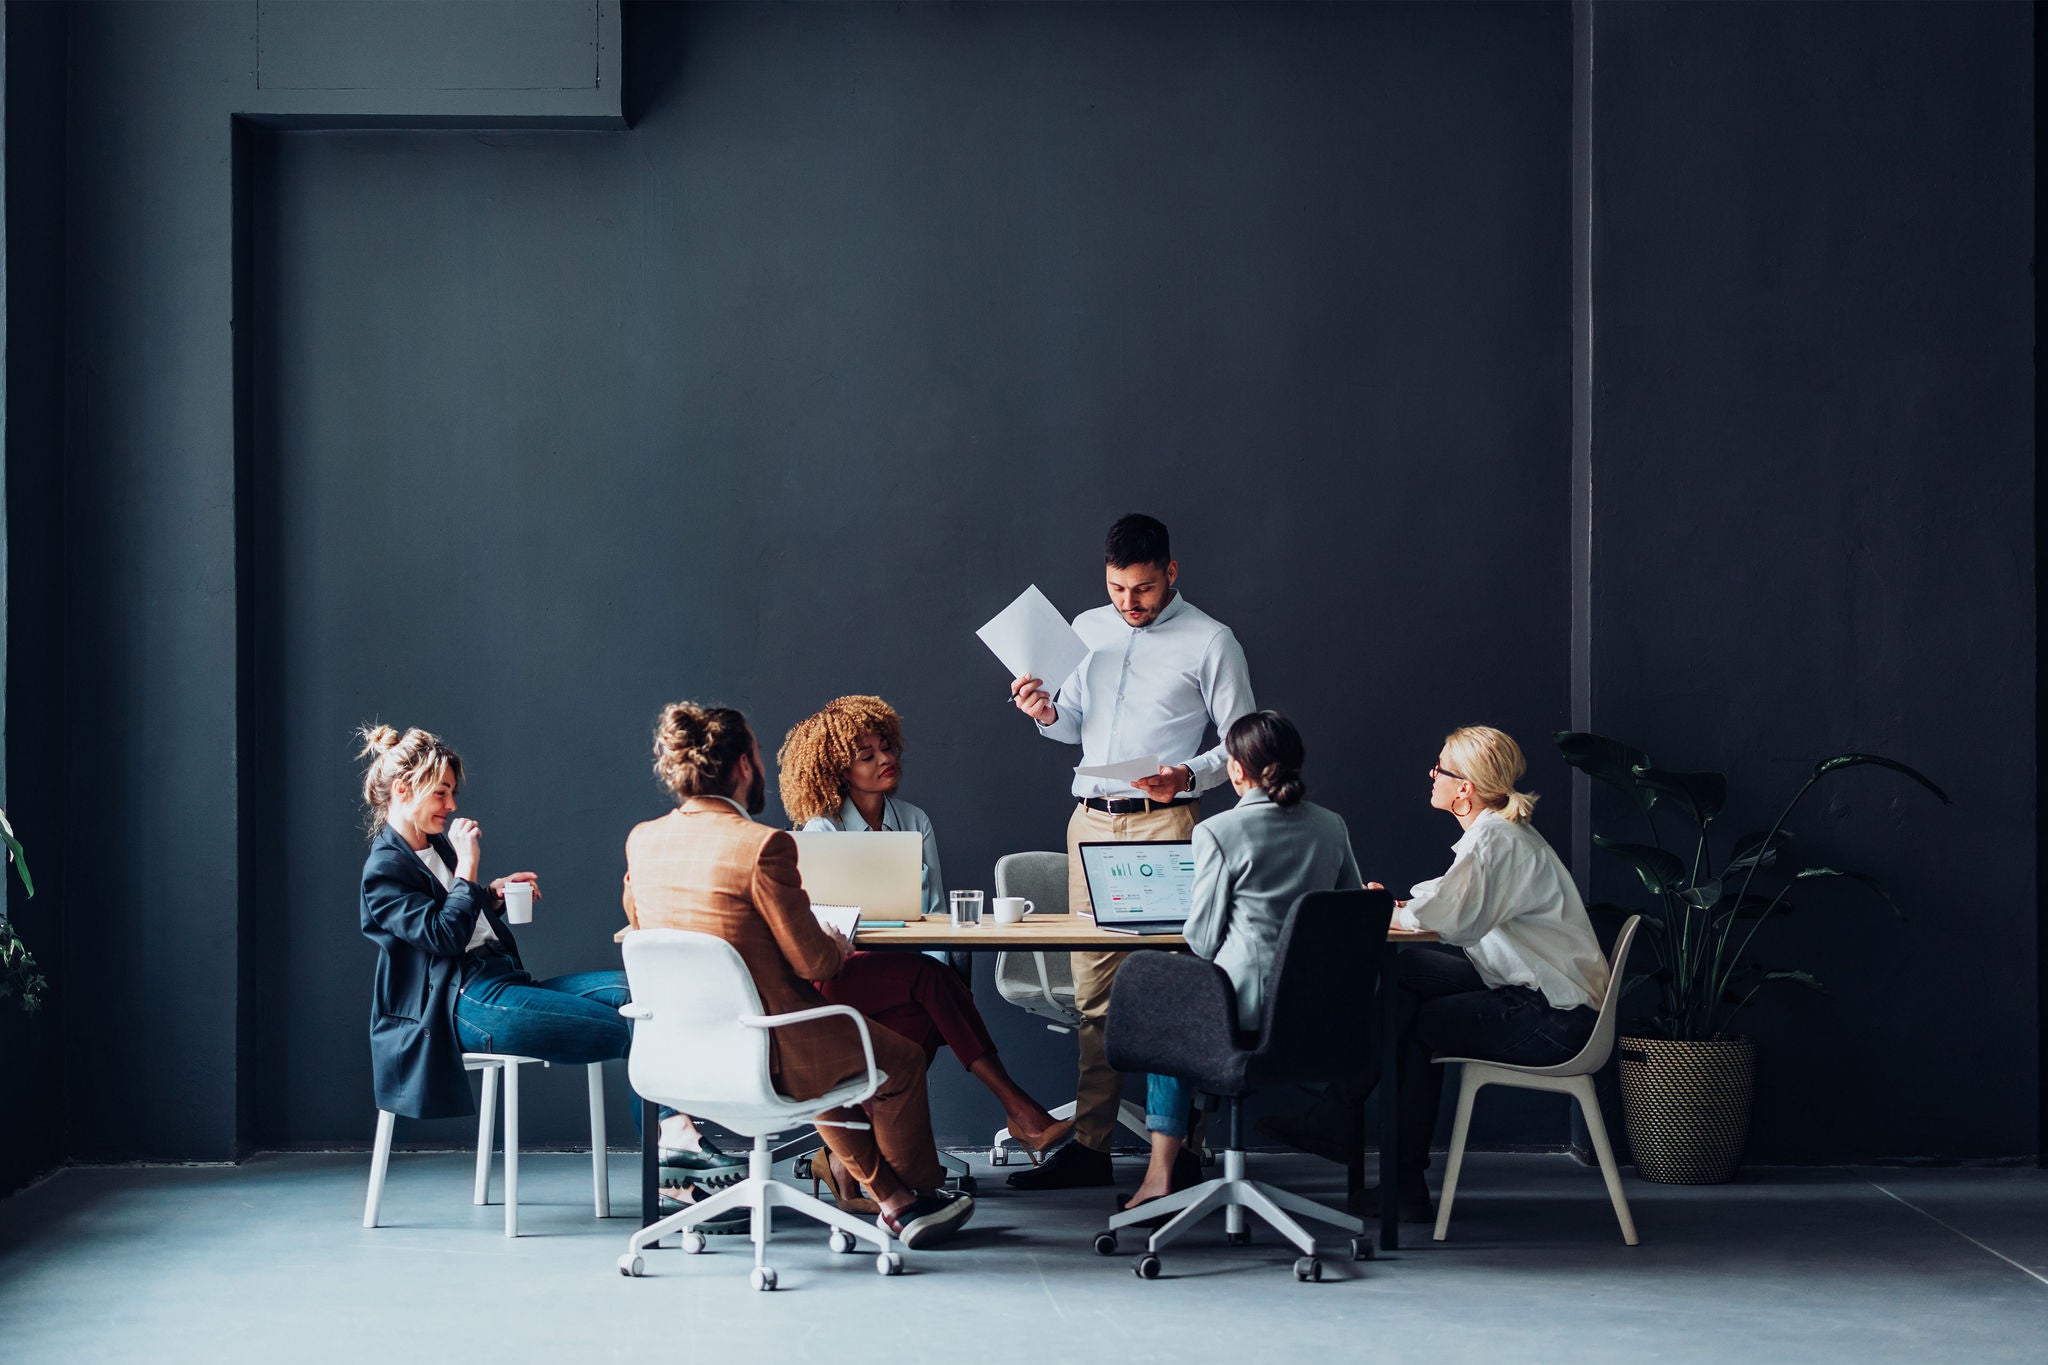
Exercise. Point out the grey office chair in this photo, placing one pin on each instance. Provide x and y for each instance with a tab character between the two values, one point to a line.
1042	984
1177	1015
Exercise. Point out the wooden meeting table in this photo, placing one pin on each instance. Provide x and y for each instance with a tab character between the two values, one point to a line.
1068	933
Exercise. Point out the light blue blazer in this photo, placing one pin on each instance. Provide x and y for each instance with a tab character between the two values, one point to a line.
1252	863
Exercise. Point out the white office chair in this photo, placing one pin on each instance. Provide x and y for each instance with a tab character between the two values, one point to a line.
493	1065
1042	984
1574	1078
700	1045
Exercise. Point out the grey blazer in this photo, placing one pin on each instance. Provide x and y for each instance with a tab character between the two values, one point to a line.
1251	863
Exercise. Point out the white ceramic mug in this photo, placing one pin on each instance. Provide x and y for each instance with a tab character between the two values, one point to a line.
518	902
1010	909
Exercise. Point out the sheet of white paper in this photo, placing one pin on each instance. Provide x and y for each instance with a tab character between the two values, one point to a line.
1131	769
1030	636
844	918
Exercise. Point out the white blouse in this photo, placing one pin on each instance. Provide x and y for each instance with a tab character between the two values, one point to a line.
1509	903
478	936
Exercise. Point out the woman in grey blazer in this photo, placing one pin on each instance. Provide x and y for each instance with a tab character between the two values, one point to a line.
1251	864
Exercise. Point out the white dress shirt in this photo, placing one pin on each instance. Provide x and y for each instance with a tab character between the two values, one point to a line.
1510	904
478	936
1151	690
896	815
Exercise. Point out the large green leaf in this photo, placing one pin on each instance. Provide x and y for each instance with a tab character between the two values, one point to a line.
1607	760
1661	871
1840	761
1861	878
1750	850
1703	895
1699	795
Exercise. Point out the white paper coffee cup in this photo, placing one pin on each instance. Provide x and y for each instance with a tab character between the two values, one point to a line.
518	902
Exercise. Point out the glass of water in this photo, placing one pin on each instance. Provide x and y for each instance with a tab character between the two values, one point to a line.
966	909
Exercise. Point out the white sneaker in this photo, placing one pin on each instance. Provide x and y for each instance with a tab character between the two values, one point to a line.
930	1218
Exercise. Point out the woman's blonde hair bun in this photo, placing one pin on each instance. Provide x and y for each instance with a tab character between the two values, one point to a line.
1492	762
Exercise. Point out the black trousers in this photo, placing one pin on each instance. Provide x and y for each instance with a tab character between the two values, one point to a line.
1445	1009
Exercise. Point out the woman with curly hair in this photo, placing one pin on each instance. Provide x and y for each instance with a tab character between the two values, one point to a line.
839	771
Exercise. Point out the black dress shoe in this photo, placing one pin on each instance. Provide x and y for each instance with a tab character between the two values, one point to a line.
1411	1202
1072	1167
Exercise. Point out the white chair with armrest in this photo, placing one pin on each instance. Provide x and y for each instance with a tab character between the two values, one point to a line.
700	1045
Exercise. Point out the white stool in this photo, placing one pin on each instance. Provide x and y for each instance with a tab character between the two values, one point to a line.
493	1065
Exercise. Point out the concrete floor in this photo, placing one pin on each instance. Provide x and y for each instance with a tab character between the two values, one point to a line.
266	1261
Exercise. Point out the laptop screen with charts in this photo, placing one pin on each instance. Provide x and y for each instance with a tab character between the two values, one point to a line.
881	871
1141	888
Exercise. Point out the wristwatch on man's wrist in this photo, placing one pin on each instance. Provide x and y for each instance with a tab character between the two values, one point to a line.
1191	779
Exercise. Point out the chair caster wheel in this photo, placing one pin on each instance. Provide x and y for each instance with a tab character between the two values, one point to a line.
631	1266
966	1185
1147	1267
1308	1268
840	1242
889	1263
1105	1244
1361	1248
998	1156
762	1278
693	1243
1237	1239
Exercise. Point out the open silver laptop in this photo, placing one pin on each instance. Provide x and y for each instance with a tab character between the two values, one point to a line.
1141	887
881	871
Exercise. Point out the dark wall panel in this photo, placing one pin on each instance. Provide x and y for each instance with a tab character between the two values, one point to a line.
1814	463
31	1046
875	316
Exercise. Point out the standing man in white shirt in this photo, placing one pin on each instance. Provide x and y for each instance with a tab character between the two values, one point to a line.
1159	674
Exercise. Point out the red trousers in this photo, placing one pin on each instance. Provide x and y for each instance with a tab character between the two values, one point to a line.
920	999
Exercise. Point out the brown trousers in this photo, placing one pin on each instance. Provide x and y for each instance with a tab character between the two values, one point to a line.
898	1150
1100	1088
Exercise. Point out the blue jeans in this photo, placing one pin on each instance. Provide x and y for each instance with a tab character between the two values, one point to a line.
571	1019
1169	1103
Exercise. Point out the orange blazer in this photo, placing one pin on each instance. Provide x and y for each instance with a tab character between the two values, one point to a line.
707	868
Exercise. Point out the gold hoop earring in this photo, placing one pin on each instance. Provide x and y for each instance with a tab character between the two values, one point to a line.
1461	814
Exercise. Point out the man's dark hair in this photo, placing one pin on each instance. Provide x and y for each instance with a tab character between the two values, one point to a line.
1137	539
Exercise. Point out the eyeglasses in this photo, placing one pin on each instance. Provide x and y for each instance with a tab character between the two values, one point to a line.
1436	772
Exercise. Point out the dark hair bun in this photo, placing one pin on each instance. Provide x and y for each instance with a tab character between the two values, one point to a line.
1268	747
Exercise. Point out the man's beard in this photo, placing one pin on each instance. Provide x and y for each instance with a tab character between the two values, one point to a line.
757	793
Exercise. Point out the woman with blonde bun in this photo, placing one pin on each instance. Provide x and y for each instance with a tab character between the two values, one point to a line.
449	978
1518	976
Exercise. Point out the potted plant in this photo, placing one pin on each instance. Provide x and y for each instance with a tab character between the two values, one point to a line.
1686	1079
19	975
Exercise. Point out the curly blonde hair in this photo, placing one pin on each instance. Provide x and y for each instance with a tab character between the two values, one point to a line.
819	749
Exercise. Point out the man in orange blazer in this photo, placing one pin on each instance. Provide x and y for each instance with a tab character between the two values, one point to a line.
708	868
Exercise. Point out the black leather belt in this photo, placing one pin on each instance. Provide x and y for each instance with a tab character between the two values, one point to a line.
1130	805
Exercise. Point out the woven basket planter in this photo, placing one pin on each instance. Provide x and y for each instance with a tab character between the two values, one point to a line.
1687	1106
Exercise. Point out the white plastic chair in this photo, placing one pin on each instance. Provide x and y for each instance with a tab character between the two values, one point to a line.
494	1065
1042	984
700	1045
1574	1078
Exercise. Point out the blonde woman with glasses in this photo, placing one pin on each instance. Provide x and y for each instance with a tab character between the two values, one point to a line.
1518	976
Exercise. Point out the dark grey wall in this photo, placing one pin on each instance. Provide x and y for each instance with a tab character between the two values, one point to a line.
880	313
1813	457
32	1138
875	316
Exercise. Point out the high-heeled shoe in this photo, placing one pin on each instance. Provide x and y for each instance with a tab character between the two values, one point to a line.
1059	1132
818	1167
